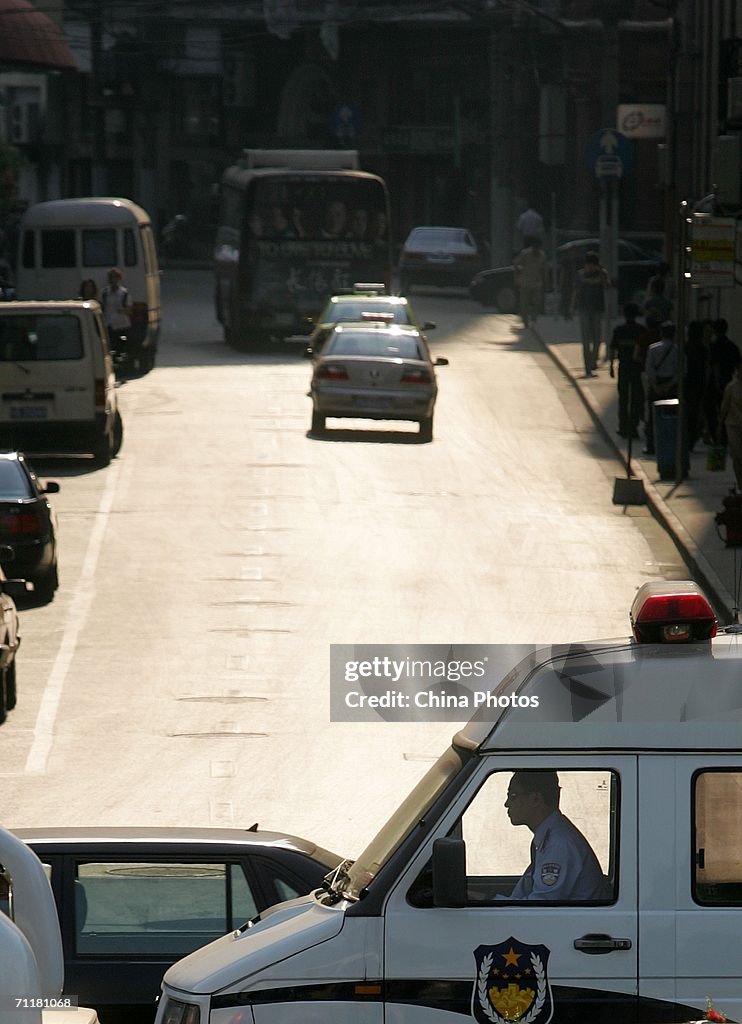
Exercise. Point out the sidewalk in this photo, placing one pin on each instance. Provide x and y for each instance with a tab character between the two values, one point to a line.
687	511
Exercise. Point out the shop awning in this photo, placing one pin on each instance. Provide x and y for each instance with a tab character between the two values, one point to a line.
30	39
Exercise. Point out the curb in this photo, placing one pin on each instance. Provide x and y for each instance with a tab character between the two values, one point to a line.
702	570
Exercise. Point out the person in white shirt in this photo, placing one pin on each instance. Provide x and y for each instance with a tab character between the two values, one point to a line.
114	301
530	224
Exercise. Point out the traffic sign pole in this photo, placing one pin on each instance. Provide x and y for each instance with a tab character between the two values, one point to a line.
610	155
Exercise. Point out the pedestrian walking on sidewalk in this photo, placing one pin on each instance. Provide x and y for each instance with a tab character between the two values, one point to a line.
530	279
657	305
730	422
630	386
662	376
530	225
589	302
724	358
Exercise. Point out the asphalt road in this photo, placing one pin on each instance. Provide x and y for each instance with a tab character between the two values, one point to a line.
181	674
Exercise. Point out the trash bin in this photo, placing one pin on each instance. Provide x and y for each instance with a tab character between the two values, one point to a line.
666	420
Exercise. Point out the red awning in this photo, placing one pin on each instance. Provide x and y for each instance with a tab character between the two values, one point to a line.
29	38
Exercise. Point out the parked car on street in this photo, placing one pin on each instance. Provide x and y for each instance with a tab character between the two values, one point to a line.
376	371
132	901
362	303
497	288
28	524
438	256
58	388
10	637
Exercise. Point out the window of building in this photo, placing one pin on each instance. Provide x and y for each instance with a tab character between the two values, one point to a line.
717	827
198	108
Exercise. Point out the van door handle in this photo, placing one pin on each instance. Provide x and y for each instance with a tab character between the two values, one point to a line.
600	944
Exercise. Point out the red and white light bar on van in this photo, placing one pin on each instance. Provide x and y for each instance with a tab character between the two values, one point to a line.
672	612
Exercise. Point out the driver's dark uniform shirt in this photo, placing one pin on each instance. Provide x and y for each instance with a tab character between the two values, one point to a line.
563	865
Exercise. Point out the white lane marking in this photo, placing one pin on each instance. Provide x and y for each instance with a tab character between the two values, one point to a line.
77	615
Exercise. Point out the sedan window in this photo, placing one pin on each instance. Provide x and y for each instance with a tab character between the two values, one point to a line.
157	908
13	481
382	345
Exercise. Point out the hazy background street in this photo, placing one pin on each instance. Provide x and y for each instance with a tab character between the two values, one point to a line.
181	675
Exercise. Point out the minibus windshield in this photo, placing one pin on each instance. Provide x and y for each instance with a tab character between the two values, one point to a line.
410	812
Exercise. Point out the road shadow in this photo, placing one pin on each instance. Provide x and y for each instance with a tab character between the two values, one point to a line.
367	436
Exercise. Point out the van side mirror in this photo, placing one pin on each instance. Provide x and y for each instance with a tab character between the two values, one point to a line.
51	487
441	361
449	873
429	325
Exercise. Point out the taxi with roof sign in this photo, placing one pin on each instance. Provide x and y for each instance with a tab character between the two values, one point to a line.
360	303
446	917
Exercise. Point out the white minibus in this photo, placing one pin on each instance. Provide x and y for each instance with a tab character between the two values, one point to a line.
64	242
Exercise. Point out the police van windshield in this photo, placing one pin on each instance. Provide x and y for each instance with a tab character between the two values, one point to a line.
405	818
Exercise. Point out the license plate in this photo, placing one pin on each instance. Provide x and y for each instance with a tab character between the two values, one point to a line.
372	403
28	412
440	259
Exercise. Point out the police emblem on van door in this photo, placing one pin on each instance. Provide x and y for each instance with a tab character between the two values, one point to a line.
512	984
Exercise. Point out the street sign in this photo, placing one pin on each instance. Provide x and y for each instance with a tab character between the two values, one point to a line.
608	166
712	251
609	154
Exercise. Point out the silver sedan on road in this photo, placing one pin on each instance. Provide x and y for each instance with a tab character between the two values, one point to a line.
376	371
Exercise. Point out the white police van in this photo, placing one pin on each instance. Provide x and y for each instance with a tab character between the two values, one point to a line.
646	738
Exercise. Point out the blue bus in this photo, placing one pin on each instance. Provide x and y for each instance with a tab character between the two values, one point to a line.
295	227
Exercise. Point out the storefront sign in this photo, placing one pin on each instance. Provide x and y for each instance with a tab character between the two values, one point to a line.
641	120
712	251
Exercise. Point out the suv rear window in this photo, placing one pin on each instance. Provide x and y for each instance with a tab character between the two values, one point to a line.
49	338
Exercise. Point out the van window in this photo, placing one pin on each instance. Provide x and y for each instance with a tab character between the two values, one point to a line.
157	908
130	248
58	248
40	338
99	247
28	257
717	827
499	852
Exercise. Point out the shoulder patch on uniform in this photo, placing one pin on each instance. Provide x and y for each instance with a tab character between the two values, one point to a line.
550	873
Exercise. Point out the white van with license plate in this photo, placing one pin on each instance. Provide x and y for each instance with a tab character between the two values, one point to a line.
631	912
57	383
